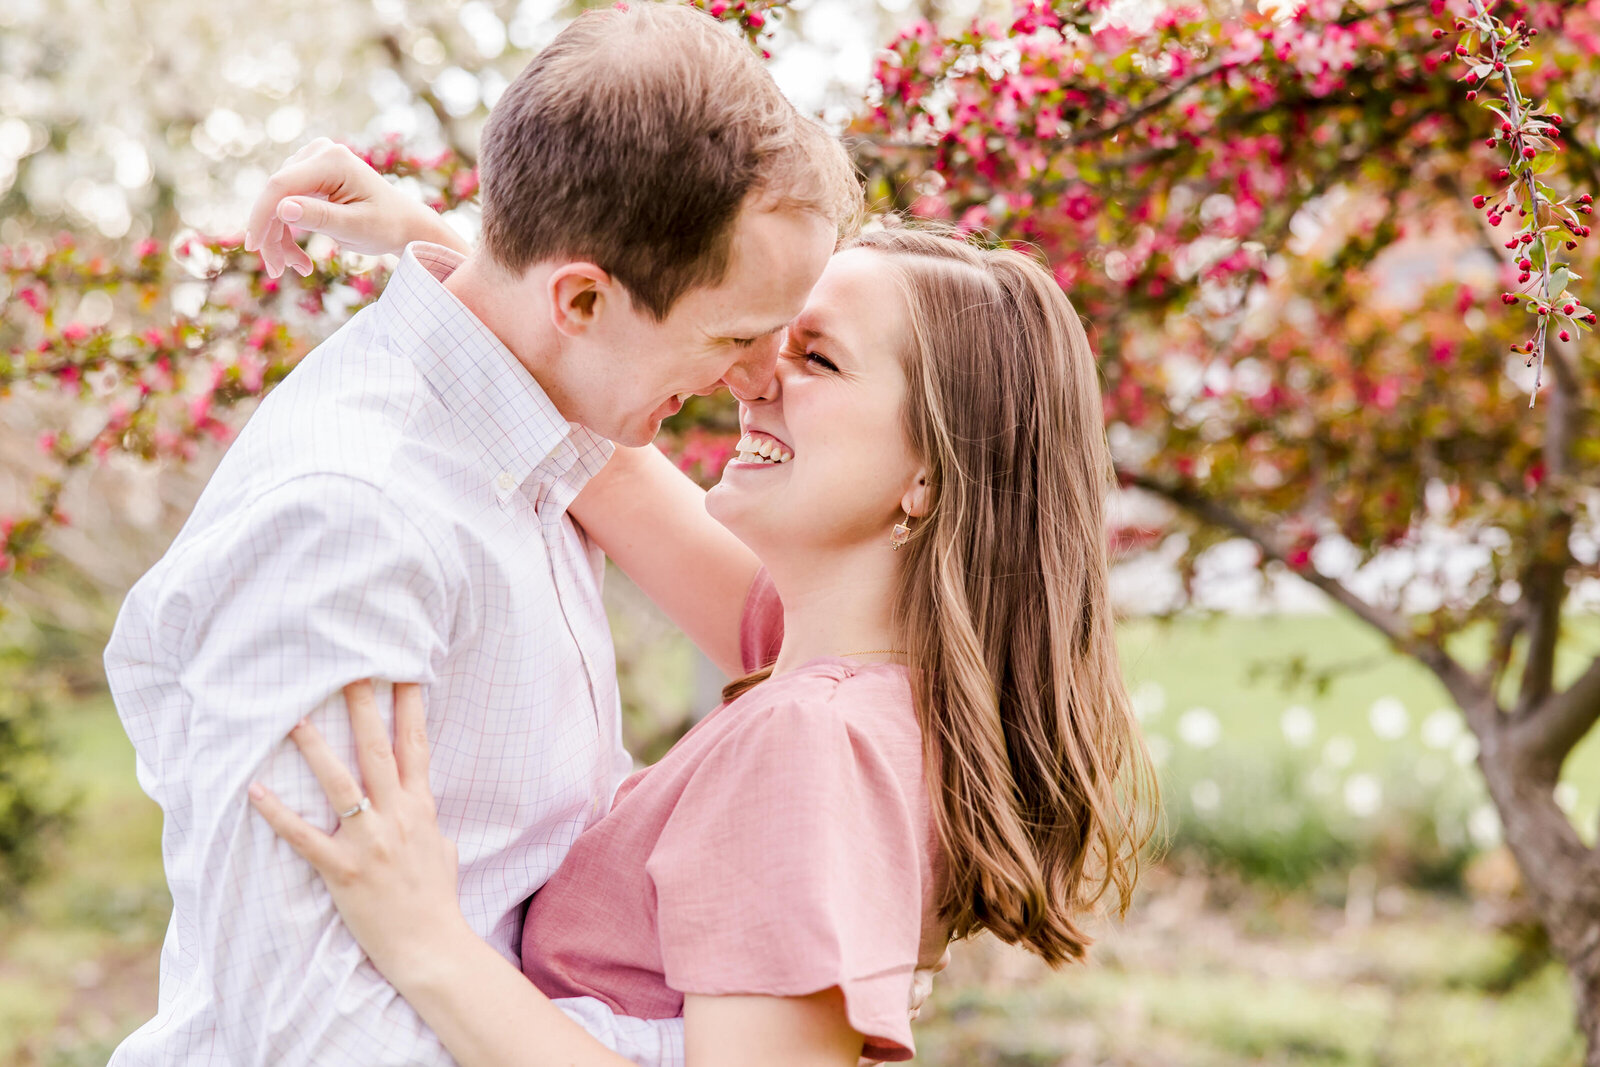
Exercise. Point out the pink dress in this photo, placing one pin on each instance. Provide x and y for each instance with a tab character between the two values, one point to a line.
783	847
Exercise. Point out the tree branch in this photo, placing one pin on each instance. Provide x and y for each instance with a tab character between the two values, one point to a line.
1543	739
448	126
1469	690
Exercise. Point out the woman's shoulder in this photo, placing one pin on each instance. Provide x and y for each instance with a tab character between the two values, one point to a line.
832	694
832	708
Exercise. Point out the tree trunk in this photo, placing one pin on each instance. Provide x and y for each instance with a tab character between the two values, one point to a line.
1560	873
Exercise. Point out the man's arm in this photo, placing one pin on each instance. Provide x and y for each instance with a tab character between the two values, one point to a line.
320	583
323	582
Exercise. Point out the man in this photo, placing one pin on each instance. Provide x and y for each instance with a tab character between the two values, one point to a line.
654	213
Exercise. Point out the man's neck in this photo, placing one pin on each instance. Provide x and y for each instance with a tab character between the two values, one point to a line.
503	306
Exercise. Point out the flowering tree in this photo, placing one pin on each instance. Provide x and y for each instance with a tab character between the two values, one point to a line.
1306	241
1329	253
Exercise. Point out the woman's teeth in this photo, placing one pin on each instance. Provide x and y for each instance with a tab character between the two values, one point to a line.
764	451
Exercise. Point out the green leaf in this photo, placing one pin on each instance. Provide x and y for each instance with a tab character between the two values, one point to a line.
1558	282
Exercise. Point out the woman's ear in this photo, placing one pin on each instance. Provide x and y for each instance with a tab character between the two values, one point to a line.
919	498
577	294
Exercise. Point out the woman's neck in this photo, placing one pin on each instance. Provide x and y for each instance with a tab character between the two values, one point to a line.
836	603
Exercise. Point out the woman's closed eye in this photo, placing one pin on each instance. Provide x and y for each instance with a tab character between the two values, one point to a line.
812	358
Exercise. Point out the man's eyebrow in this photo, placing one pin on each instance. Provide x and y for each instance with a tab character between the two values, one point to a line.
758	332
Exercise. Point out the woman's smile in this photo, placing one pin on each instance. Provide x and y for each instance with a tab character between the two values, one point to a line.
761	449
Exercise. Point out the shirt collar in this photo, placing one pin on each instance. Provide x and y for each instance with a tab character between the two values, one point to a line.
522	435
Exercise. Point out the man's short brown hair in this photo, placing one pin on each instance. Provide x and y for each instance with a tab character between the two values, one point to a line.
635	138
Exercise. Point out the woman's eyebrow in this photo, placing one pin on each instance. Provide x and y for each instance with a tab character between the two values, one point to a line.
816	333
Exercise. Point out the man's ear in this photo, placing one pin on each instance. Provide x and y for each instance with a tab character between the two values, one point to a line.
919	498
578	294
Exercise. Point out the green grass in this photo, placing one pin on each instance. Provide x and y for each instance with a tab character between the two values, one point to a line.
78	954
77	959
1217	663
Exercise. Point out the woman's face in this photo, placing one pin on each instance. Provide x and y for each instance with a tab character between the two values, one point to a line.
837	465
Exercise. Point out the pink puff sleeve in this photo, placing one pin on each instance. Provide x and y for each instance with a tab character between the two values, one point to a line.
794	863
761	628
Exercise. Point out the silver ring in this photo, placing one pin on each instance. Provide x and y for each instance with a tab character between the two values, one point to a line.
366	804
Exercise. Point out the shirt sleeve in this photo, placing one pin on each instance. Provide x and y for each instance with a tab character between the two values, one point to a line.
321	582
761	626
790	865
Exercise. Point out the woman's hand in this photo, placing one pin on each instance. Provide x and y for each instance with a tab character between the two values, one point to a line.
391	872
328	189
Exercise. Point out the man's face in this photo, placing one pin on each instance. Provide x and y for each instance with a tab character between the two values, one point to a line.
629	372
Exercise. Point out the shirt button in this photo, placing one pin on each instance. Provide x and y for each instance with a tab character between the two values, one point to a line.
505	481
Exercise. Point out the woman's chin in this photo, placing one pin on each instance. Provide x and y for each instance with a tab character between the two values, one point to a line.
743	511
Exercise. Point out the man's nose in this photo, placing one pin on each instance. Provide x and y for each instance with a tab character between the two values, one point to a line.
750	378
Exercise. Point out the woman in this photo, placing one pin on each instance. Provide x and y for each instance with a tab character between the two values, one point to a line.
931	737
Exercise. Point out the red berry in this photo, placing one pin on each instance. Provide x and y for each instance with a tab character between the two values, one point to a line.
1585	199
1494	220
1528	153
1591	318
1505	127
1490	143
1502	174
1525	263
1569	309
1461	49
1437	34
1527	238
1564	335
1479	201
1472	94
1499	66
1571	245
1512	243
1557	119
1508	298
1543	310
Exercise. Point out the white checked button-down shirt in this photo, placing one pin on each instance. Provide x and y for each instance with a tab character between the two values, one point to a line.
396	509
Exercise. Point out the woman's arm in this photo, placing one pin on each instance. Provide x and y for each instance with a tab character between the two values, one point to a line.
327	188
487	1013
392	875
651	519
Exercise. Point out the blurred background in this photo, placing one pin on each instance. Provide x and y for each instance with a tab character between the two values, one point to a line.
1333	889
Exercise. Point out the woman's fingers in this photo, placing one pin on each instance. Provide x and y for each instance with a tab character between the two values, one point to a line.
411	737
343	791
322	172
374	749
314	846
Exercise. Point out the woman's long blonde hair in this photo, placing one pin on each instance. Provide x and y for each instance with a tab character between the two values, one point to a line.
1040	784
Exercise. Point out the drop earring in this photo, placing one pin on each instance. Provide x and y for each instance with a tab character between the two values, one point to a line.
901	534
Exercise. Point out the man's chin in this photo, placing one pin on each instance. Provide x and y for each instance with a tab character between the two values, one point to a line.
635	435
